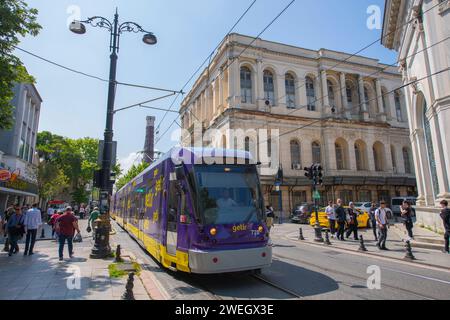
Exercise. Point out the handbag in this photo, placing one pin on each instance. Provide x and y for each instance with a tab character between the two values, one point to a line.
78	238
88	229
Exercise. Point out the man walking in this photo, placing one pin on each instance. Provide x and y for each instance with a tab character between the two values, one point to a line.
341	218
406	213
66	224
32	221
331	215
373	221
445	215
15	229
94	216
353	223
382	225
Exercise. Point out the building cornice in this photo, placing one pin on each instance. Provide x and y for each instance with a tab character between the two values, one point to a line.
391	19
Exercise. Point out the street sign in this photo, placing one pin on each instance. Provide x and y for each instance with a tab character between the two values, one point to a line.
316	195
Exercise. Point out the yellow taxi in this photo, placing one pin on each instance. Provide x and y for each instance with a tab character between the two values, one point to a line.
363	219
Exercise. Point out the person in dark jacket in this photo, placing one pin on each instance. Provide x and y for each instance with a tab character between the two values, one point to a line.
373	221
406	213
445	215
353	223
15	228
341	218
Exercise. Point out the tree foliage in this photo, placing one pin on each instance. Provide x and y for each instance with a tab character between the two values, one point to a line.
16	19
73	162
132	173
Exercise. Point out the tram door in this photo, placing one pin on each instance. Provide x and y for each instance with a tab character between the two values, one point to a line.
141	213
172	218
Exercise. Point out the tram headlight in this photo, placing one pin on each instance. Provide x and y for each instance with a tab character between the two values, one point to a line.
213	231
260	229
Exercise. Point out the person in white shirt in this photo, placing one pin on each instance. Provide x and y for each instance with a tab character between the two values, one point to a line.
32	222
381	216
225	201
331	215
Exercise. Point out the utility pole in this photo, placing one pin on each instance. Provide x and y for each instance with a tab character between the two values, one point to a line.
314	173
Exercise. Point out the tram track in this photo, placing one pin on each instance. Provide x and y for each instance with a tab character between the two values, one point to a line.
331	271
274	285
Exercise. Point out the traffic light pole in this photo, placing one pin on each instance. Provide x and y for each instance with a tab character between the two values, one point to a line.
314	173
317	227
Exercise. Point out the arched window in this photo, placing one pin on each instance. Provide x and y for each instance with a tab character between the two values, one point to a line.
290	90
398	106
349	92
360	156
394	159
384	99
341	154
310	94
430	149
246	85
295	154
378	156
407	160
366	95
316	152
331	94
269	89
247	144
224	142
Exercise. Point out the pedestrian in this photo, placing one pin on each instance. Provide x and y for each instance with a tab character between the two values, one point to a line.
32	221
406	214
382	225
445	215
52	223
373	221
82	210
94	216
331	215
270	215
341	219
15	228
66	225
353	222
7	214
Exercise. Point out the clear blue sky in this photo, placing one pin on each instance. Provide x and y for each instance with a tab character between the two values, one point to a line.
74	106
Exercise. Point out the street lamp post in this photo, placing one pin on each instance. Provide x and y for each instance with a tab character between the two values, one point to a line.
101	247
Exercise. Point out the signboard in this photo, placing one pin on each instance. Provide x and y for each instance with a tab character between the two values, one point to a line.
6	175
316	195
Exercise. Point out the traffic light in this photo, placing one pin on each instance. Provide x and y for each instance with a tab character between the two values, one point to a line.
279	176
98	178
309	172
317	174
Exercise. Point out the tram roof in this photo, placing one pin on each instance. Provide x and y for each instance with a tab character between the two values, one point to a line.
177	154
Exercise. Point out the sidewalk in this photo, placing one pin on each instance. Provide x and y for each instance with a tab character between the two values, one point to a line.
43	277
395	244
423	238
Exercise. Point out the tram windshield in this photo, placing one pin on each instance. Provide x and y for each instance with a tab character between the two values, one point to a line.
228	194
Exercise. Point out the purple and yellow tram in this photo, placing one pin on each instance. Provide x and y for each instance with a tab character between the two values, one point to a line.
198	211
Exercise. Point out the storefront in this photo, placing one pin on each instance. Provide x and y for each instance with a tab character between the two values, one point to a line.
17	191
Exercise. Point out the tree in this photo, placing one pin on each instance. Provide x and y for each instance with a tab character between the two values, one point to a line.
131	173
17	19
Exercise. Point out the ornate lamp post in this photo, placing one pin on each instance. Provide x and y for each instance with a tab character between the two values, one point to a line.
101	248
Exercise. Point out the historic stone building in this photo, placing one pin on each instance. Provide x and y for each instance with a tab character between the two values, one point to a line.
343	112
419	30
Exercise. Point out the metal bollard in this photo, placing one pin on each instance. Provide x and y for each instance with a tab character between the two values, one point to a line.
128	295
118	254
362	247
300	234
43	232
327	238
409	255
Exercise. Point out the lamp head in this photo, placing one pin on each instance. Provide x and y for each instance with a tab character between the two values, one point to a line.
77	27
150	39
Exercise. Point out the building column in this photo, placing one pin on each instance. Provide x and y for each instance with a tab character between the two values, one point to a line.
280	91
343	92
424	168
330	152
233	83
393	113
370	158
418	171
351	155
259	85
318	92
220	80
381	111
362	100
389	166
215	104
301	92
443	116
325	98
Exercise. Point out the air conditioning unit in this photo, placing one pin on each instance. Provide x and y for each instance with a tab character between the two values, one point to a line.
297	166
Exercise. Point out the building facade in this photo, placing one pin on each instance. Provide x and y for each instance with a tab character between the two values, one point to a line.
419	31
18	157
320	106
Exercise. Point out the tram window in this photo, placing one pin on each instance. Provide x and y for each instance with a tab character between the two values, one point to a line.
172	204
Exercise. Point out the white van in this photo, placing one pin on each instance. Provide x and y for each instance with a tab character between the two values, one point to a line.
396	203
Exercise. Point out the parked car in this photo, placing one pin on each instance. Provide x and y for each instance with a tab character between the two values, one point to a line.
363	219
302	214
397	202
363	206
